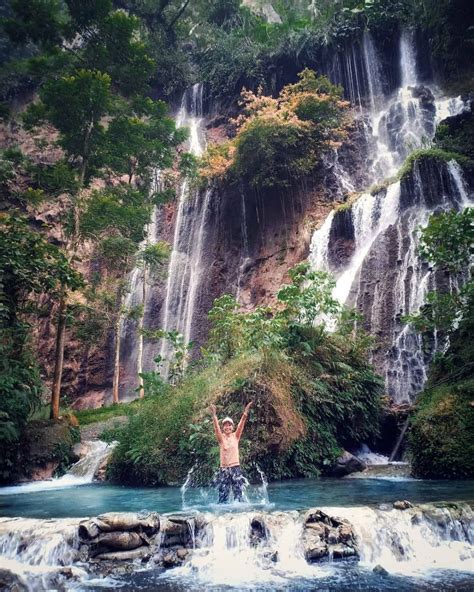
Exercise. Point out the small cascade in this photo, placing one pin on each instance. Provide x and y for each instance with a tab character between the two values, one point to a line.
40	553
412	542
186	263
245	253
81	473
265	549
371	245
373	72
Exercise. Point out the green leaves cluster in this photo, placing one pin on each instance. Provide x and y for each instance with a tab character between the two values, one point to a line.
314	393
29	265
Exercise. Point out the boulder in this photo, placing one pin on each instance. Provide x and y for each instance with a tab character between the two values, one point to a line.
327	536
346	464
380	571
12	582
258	530
177	531
148	522
140	553
402	505
341	551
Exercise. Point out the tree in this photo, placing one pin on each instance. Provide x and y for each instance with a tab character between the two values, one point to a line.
96	102
447	242
30	267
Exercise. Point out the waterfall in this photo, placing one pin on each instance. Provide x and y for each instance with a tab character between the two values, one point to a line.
382	275
186	262
96	452
409	542
413	542
373	71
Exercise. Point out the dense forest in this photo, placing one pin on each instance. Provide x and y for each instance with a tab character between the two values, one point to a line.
119	120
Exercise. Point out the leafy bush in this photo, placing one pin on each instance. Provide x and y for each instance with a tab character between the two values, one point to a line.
289	133
314	393
442	432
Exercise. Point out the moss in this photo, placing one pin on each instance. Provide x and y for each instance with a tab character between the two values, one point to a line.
442	432
47	442
347	205
378	187
88	416
430	154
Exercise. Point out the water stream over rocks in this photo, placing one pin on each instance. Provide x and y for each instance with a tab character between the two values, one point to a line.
251	549
371	244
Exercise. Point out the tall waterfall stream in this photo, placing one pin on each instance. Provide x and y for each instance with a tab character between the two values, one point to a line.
384	277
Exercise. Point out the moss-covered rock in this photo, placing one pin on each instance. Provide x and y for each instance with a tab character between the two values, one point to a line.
46	448
442	432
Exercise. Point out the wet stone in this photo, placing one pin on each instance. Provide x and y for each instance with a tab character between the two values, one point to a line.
402	505
380	571
327	536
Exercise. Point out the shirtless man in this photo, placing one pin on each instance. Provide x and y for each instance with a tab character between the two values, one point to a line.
230	475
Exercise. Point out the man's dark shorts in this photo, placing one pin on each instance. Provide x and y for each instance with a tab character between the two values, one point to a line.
230	478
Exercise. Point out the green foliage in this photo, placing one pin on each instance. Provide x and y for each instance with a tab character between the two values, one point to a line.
442	432
76	105
455	135
176	363
309	296
90	416
448	240
314	393
116	210
447	243
29	266
289	133
429	154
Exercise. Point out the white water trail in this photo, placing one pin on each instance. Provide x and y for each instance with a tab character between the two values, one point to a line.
412	542
185	271
398	125
80	473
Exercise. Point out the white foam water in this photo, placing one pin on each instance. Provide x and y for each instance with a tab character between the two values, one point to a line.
80	473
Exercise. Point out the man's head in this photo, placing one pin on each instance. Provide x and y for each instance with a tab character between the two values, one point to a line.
227	425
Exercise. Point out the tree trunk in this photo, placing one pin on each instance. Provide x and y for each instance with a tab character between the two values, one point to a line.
58	358
115	387
141	322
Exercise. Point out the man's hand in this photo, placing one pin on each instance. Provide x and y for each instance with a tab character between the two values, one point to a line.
213	410
247	407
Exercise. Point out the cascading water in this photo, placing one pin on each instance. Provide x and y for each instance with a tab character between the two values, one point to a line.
185	266
186	263
95	454
383	275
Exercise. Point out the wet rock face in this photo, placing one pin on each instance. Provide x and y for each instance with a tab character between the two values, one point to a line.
326	536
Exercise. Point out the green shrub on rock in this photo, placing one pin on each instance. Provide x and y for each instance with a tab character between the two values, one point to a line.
442	432
314	394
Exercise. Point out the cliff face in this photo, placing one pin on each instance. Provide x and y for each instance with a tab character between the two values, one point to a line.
232	239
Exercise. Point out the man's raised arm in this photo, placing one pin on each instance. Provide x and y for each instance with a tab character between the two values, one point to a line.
215	421
243	420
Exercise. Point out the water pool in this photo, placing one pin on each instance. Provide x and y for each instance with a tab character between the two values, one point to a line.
93	499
